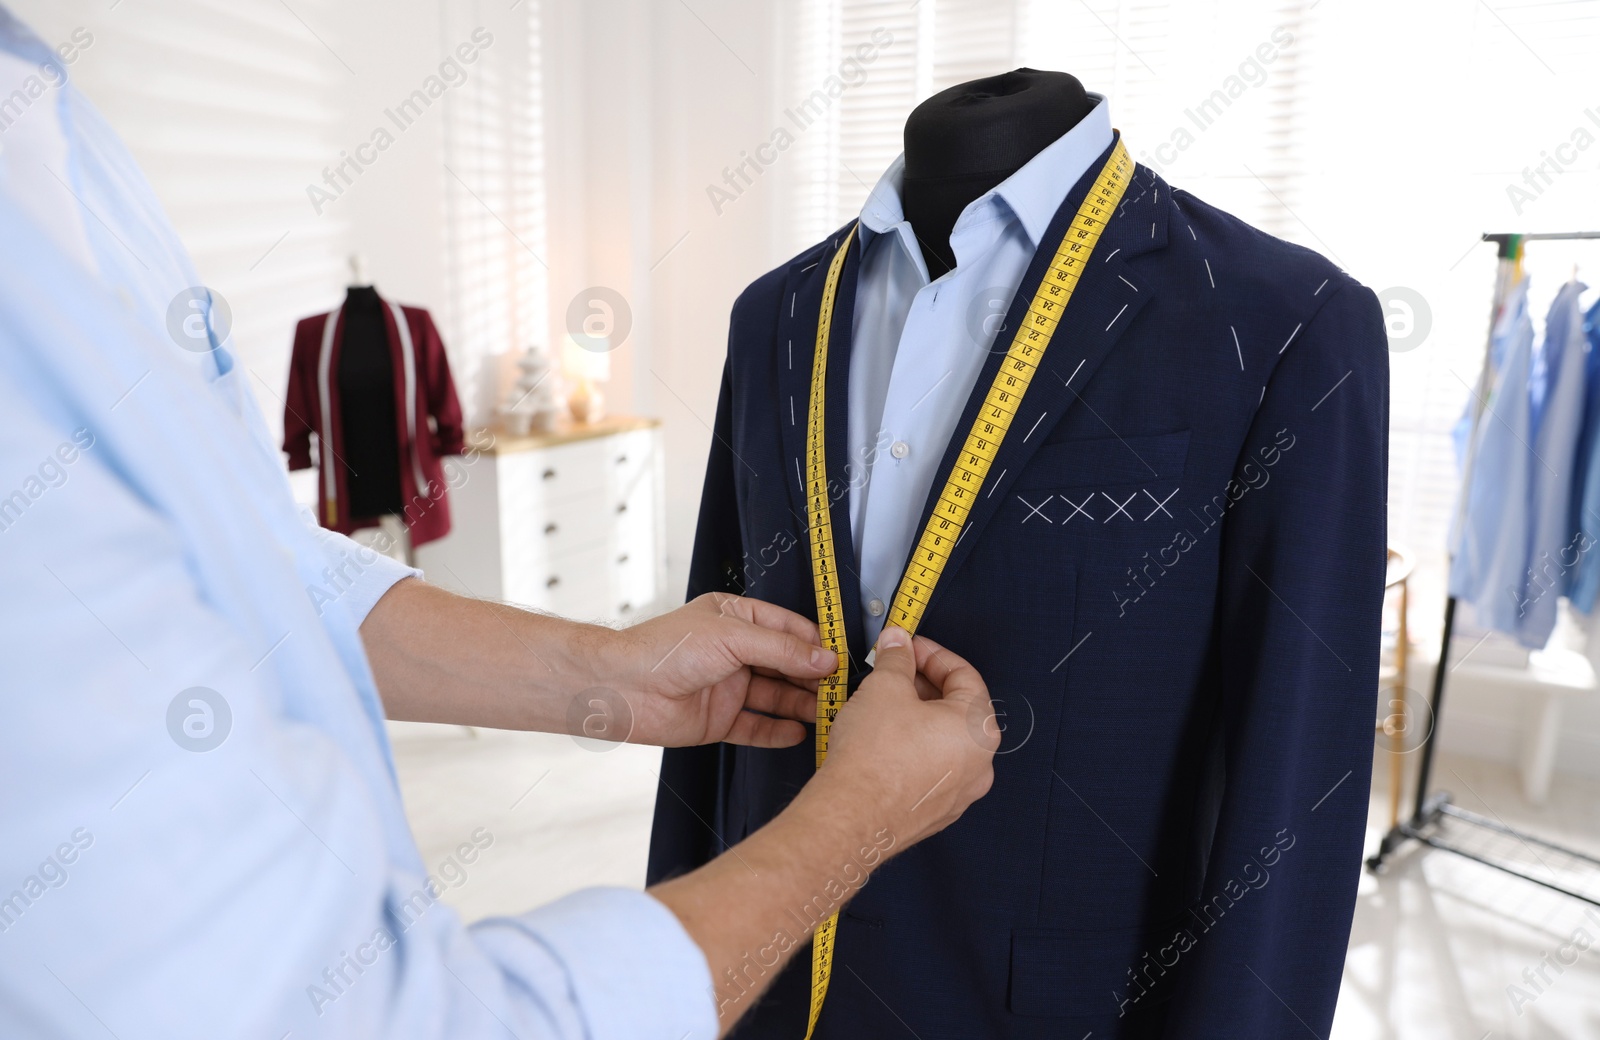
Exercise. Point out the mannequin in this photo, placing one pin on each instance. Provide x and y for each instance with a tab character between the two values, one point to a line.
968	138
366	401
370	383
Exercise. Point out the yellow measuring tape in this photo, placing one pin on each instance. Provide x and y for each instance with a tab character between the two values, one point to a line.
966	477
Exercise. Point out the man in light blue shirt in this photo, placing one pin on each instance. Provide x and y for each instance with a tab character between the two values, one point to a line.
905	403
202	834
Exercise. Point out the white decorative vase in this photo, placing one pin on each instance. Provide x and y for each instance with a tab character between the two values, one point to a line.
531	404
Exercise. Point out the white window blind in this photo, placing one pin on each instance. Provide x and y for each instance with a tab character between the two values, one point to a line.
494	189
972	39
916	50
818	42
873	114
1208	93
229	115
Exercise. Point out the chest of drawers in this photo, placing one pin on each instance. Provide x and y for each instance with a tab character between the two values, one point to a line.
569	522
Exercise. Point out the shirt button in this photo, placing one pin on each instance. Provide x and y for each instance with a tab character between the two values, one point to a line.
875	608
899	449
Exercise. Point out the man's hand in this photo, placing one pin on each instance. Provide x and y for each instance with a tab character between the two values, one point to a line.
915	745
699	674
703	672
909	752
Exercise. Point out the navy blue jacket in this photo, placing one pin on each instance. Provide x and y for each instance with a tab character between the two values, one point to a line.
1173	588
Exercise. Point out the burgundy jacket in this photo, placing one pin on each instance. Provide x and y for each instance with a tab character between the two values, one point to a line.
423	390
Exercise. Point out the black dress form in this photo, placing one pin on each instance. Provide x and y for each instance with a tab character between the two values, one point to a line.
367	408
967	138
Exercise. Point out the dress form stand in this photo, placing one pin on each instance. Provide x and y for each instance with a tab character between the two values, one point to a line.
968	138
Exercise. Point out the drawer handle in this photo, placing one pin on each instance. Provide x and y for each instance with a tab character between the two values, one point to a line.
622	458
623	558
549	474
554	580
550	528
623	508
626	608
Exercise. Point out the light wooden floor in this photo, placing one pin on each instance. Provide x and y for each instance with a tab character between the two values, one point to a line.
1435	945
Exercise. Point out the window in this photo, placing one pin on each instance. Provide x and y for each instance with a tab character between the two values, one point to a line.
495	201
863	65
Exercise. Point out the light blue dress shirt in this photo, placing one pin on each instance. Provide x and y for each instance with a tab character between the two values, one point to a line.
1557	395
1583	583
918	345
1489	566
201	834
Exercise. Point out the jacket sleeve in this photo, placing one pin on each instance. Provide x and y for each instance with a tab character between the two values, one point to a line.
718	561
443	405
1300	601
686	832
297	399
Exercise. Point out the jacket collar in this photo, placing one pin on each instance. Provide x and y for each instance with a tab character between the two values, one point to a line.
1104	305
1107	299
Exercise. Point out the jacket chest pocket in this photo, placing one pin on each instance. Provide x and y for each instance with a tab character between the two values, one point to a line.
1107	462
1101	485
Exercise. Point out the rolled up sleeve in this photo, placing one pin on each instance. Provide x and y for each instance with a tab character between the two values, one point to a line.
356	577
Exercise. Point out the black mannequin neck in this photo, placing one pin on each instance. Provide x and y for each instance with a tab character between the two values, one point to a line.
966	139
362	298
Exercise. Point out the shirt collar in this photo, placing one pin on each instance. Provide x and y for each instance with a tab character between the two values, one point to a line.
1033	193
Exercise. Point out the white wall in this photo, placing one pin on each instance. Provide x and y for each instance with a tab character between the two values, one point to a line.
228	109
714	99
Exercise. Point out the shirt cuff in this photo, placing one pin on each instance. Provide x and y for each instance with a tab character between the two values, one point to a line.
360	575
633	970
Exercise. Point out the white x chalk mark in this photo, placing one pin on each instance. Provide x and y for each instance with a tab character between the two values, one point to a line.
1161	506
1123	508
1036	510
1077	507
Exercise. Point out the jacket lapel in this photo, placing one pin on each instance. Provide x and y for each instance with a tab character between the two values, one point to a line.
1104	304
330	468
796	343
410	426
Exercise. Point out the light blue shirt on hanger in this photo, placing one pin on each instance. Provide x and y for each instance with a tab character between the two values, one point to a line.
1557	395
918	345
201	834
1490	563
1583	581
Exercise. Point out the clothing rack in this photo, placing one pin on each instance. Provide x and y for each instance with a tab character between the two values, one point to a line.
1427	823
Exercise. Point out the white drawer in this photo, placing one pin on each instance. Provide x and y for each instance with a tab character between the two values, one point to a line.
550	530
633	584
633	515
552	474
579	526
574	586
629	456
